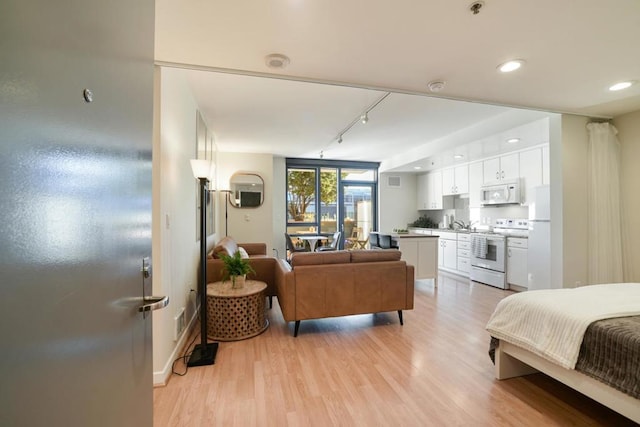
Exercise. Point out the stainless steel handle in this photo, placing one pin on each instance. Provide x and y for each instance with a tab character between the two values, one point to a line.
498	175
153	303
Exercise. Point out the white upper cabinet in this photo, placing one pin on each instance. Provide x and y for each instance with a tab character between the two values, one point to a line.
502	168
455	180
531	171
462	179
475	183
434	193
430	191
423	191
448	182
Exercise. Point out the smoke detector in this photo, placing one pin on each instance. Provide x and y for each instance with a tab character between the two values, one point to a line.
436	85
276	60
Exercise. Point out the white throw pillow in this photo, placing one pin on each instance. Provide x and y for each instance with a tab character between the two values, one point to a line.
243	252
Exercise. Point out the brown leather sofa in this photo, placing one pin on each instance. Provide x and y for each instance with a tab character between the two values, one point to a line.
263	265
341	283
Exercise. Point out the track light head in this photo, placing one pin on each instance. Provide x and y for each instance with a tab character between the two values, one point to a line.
364	118
340	139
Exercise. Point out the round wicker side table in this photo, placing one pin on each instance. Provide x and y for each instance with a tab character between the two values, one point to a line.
236	314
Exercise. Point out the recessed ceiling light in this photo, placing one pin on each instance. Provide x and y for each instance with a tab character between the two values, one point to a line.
458	156
621	85
417	167
510	66
276	60
513	140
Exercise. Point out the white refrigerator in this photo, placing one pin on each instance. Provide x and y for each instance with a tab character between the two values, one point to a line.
539	244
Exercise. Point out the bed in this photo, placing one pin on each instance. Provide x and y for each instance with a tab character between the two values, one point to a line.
587	338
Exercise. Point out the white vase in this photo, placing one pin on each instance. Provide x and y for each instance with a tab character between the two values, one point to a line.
237	282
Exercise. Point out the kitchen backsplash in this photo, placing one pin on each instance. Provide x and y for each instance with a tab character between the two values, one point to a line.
477	216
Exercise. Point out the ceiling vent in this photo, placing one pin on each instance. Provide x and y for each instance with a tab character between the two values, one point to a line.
393	181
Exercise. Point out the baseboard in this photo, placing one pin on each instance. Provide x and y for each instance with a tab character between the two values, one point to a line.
160	378
456	274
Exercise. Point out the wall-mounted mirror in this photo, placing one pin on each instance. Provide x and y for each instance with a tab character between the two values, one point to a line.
247	190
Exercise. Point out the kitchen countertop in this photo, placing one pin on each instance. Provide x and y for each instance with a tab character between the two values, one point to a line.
405	235
449	230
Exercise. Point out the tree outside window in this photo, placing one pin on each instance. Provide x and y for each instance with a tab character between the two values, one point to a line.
302	193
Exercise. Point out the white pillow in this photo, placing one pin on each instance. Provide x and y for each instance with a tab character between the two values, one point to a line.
243	252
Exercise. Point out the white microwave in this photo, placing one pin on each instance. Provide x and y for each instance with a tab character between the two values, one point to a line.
500	193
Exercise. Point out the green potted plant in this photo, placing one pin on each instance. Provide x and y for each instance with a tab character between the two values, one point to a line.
236	268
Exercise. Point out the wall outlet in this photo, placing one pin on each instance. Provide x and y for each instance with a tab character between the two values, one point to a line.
179	322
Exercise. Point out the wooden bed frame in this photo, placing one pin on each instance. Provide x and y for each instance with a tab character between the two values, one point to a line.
513	361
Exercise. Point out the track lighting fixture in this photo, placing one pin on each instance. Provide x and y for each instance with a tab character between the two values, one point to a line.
364	117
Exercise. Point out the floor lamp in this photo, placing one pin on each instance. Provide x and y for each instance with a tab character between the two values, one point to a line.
203	353
226	211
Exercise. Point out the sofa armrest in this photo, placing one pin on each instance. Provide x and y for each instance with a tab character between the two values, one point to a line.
411	280
285	289
254	248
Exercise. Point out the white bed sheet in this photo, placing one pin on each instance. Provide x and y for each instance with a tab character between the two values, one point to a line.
552	323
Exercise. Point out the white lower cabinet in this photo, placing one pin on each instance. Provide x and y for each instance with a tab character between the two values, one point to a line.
517	261
464	249
453	252
447	250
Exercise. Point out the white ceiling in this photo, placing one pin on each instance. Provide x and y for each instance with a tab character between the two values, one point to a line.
574	50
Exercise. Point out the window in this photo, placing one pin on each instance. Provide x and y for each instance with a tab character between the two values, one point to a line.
301	195
320	194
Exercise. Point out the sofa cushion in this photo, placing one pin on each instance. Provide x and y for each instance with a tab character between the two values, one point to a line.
243	252
375	255
226	246
318	258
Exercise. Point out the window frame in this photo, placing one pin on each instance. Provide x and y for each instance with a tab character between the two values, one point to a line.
338	165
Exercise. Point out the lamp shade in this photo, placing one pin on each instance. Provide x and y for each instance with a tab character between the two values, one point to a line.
201	168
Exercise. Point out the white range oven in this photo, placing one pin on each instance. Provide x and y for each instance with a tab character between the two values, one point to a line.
488	259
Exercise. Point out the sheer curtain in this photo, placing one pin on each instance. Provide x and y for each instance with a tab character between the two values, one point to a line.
605	238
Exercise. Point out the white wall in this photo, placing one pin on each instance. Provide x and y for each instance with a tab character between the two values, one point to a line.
396	206
279	205
251	224
556	202
175	249
575	162
628	126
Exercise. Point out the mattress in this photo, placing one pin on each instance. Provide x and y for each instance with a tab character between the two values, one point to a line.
609	353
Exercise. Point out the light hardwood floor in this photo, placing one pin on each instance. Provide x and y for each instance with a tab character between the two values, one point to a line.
367	370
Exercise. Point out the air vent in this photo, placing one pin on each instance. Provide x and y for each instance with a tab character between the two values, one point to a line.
393	181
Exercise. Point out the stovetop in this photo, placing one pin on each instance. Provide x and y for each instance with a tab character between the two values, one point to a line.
508	227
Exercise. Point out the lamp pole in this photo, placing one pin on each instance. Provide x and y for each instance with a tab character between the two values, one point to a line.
226	211
203	353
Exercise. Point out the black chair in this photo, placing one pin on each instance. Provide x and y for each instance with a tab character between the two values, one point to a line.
333	246
385	241
374	241
291	248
